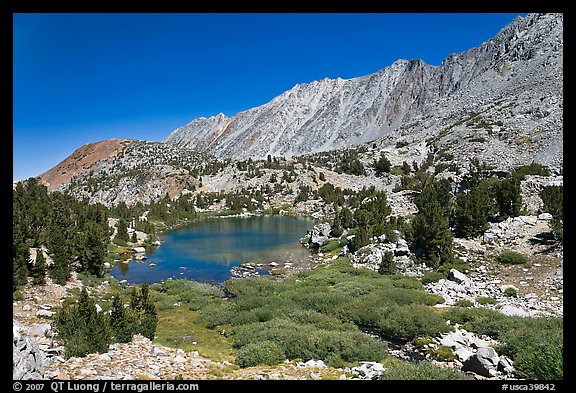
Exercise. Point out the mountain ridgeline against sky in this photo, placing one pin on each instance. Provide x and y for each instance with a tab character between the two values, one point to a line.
524	60
500	103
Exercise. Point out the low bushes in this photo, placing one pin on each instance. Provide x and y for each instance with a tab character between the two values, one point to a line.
265	352
510	257
321	313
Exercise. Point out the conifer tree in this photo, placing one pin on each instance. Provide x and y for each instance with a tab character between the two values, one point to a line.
122	230
553	201
81	328
120	321
39	268
430	227
509	197
472	212
92	247
387	265
382	165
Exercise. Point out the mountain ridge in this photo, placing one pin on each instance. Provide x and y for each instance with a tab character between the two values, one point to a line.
335	113
500	103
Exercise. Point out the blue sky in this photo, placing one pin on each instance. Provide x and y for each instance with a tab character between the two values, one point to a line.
82	78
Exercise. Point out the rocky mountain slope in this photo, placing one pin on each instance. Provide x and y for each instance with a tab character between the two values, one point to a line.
81	161
501	103
128	171
514	80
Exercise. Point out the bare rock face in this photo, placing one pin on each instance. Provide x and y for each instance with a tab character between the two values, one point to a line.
27	358
520	68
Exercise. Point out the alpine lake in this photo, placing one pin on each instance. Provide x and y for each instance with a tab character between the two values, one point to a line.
205	251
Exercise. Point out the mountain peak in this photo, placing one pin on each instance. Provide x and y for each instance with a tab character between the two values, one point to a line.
334	113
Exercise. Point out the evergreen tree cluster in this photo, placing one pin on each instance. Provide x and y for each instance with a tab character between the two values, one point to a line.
74	232
83	330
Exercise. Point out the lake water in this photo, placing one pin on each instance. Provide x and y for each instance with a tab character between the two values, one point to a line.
205	251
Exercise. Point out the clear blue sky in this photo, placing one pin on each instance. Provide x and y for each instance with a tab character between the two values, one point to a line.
82	78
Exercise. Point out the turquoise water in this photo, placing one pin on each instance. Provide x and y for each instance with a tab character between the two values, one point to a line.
205	251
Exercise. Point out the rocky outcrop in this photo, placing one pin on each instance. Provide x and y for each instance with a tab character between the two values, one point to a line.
484	362
318	235
27	358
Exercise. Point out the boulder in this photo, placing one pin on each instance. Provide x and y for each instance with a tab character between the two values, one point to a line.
39	330
401	248
456	276
315	363
514	311
319	235
484	362
463	353
369	370
506	365
45	313
138	249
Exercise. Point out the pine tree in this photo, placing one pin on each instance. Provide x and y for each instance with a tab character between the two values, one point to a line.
472	212
144	314
509	197
121	230
39	268
81	328
382	166
430	228
553	200
362	238
387	265
20	255
406	169
120	321
60	238
92	246
335	229
149	322
346	218
19	272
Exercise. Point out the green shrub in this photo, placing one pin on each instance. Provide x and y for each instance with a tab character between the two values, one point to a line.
537	347
421	342
510	257
387	264
432	276
511	292
17	295
541	357
120	242
442	354
215	315
464	303
265	352
333	244
480	320
422	371
306	341
454	263
531	169
413	320
485	300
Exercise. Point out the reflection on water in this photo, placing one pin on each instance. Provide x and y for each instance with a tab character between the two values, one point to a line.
206	251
